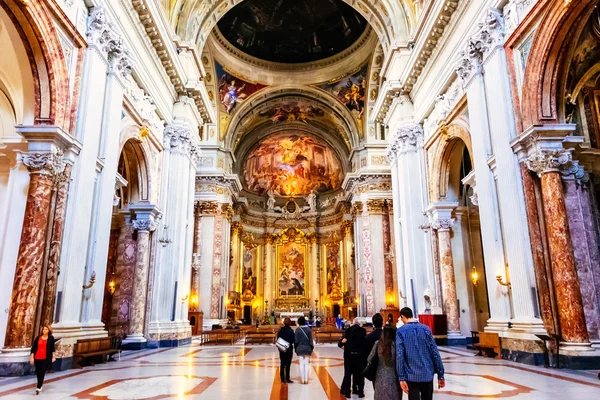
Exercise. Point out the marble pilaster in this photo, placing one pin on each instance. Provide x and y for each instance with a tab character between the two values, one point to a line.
195	281
269	268
564	269
314	272
43	168
442	223
144	224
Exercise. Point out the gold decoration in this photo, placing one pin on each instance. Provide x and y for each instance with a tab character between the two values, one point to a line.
207	207
379	160
373	94
376	206
144	131
208	77
357	208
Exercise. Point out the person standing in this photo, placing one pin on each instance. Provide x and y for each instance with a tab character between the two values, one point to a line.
354	360
374	336
304	348
287	334
42	355
386	382
417	358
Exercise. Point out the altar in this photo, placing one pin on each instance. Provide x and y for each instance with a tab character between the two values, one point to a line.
292	315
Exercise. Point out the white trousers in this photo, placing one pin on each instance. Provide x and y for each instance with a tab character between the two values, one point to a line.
303	361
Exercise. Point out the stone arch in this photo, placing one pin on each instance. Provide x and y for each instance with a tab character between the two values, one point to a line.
46	60
195	19
324	99
133	160
551	51
454	139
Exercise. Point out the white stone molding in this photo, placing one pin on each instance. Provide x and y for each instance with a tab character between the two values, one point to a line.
147	225
179	140
444	105
51	164
143	103
409	137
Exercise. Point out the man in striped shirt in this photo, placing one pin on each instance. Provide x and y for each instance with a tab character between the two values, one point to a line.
417	358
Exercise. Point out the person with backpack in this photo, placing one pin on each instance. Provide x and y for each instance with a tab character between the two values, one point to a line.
286	333
304	348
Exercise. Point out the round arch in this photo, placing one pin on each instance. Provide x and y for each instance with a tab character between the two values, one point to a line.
253	104
455	138
195	19
134	166
51	83
545	73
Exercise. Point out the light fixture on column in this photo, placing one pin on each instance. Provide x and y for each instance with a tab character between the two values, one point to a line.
501	281
474	276
112	285
92	281
183	299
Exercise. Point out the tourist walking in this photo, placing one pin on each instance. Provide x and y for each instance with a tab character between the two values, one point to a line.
286	333
386	384
304	348
417	358
374	336
42	355
354	360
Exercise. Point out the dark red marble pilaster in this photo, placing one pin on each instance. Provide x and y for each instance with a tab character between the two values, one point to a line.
58	228
566	282
537	249
25	293
387	244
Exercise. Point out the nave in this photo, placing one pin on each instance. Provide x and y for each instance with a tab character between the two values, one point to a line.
252	372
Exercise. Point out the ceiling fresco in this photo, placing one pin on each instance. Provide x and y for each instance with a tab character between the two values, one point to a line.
292	31
351	91
292	164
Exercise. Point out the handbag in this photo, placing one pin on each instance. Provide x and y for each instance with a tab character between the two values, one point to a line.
282	344
370	370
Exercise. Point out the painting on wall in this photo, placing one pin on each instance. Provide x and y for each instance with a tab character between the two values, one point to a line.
351	92
249	273
291	270
292	164
334	272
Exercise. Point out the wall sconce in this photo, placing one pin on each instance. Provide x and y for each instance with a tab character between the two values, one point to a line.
112	286
92	281
356	300
183	299
501	282
474	276
195	300
144	131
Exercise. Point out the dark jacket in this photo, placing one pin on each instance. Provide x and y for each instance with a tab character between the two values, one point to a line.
49	347
355	336
303	341
371	339
287	334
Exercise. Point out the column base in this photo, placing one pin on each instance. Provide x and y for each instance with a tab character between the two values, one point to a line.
497	325
169	334
134	342
15	362
456	338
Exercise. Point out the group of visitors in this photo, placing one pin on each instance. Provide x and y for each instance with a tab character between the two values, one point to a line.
398	360
300	340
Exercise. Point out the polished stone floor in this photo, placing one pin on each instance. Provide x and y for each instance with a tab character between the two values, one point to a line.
252	372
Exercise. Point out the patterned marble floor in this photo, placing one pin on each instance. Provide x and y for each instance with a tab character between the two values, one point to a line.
252	372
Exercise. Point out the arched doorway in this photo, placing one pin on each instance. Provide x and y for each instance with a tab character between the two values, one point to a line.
455	184
131	196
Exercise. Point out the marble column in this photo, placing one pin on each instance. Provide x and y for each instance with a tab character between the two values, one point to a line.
144	224
58	225
437	275
387	248
314	271
234	261
442	223
398	230
124	269
547	163
43	168
270	289
195	281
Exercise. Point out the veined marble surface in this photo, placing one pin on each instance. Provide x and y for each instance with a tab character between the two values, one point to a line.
252	372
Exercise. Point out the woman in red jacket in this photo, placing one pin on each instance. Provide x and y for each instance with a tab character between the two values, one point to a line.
42	355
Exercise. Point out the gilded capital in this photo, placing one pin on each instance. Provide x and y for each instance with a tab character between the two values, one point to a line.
237	228
269	238
376	206
207	207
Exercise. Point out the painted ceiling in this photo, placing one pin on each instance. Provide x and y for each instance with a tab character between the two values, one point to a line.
287	31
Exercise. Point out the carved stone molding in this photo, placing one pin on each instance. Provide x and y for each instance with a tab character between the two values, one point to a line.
207	207
178	139
147	225
51	164
376	206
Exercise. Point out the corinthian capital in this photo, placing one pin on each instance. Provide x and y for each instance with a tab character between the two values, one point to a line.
409	137
442	223
146	225
97	25
51	164
177	138
544	161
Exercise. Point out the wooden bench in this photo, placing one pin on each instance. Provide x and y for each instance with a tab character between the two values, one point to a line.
488	342
328	335
217	336
260	336
96	348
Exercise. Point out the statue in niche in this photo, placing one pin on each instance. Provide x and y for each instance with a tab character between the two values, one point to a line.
430	302
271	200
311	199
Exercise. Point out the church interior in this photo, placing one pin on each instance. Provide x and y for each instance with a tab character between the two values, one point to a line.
179	176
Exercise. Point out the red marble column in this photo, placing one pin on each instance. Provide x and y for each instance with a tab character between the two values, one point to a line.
537	250
140	275
436	267
564	270
195	281
125	267
58	228
387	244
25	294
448	279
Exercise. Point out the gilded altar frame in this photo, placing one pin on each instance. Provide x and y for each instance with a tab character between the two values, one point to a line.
295	236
